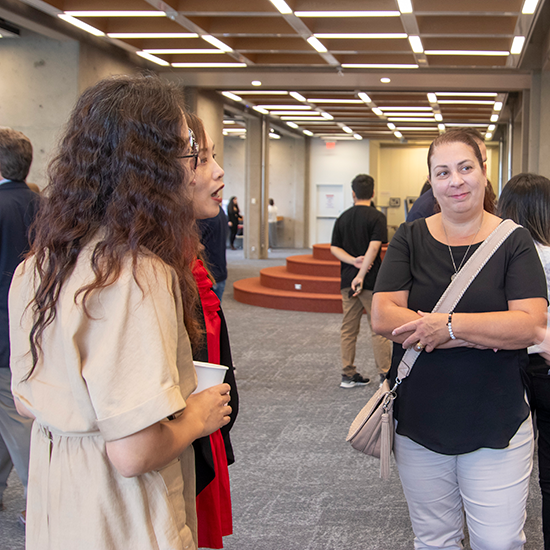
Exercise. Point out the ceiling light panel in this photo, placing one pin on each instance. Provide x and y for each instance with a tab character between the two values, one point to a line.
361	35
285	107
282	6
316	44
347	13
81	25
151	35
405	6
154	59
491	53
216	43
379	66
517	45
116	13
529	7
210	65
416	44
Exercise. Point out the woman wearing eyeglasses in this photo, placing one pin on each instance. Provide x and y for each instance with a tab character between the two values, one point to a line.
102	315
213	453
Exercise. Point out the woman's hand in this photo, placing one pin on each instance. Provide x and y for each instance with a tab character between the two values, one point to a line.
159	444
430	331
210	408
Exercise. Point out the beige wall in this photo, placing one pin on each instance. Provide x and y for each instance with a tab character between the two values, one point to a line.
402	170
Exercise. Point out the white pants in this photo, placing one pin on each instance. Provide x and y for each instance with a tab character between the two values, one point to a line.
491	484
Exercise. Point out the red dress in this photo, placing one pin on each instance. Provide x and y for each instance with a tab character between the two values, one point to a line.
214	501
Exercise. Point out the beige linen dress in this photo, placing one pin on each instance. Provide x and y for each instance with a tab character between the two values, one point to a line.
102	378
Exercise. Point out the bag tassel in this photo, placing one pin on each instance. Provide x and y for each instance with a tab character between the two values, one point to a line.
385	447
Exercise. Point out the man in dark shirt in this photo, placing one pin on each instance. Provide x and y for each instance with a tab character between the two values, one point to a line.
357	237
17	208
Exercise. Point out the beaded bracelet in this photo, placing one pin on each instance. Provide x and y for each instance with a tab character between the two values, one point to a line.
450	326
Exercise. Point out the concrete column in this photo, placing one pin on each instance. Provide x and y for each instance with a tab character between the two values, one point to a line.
256	178
534	123
544	117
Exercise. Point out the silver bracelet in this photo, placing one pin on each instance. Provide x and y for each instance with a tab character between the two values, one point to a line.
450	326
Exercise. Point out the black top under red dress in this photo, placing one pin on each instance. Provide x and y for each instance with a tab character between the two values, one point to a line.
213	454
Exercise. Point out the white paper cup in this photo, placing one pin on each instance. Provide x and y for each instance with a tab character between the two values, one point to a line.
208	375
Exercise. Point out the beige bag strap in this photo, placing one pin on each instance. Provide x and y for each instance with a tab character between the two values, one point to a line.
458	286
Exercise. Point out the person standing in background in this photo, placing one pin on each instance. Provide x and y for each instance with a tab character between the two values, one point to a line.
357	237
213	238
235	218
525	199
272	220
18	205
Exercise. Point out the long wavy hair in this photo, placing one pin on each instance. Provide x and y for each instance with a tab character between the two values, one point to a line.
117	169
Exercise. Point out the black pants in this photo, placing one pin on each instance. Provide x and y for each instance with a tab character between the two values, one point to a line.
233	233
539	382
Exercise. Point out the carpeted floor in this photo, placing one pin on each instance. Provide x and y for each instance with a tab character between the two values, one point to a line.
296	484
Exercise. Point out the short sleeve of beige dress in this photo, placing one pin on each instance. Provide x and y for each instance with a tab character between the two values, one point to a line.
102	377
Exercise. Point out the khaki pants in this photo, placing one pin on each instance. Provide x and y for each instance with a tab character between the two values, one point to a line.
353	312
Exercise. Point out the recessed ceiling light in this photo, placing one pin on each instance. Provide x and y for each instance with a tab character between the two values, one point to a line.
494	118
361	35
432	98
438	117
405	6
283	107
80	24
357	136
392	108
467	52
441	127
232	96
491	128
183	51
379	66
308	133
364	97
497	106
488	135
292	125
216	43
209	65
411	119
316	44
294	112
302	118
124	35
256	83
347	13
391	126
398	134
467	94
385	80
517	45
154	59
429	114
377	111
420	128
465	102
416	44
297	96
329	100
327	116
282	6
529	7
260	110
116	13
466	125
259	92
347	129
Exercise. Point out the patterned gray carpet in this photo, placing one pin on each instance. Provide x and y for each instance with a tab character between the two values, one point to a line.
296	484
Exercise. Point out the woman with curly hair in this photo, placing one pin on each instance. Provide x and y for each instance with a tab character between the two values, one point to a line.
102	314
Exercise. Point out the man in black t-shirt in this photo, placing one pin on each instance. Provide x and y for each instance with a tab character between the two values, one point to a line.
357	237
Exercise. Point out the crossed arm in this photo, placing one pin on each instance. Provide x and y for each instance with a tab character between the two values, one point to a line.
513	329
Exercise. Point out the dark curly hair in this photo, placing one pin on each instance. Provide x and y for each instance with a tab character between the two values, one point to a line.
117	169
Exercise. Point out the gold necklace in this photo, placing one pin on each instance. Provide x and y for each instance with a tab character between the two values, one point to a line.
467	250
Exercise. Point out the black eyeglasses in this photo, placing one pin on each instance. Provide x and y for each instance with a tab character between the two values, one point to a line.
194	150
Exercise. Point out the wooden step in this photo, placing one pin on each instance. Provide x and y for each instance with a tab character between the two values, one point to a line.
308	265
322	252
250	291
279	277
